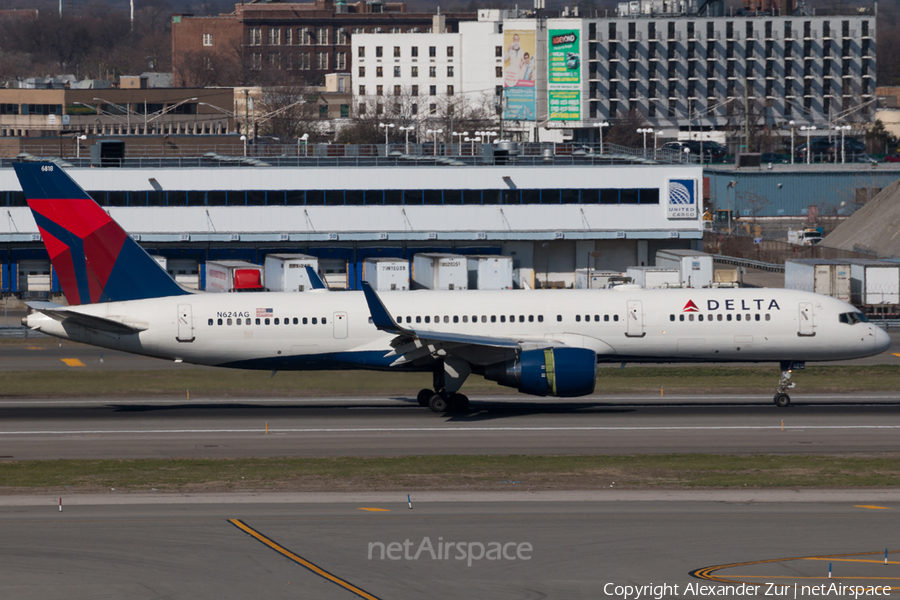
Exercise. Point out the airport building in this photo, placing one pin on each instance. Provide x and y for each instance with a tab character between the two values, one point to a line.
551	219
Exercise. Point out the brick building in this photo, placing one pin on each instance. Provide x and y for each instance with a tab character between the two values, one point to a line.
273	41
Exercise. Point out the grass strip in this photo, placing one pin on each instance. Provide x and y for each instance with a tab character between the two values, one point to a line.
231	382
673	471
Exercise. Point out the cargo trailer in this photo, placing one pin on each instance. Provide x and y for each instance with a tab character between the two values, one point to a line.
386	274
490	272
287	272
827	277
695	268
438	271
233	276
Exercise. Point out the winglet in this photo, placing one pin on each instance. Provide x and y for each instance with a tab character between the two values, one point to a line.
314	280
380	315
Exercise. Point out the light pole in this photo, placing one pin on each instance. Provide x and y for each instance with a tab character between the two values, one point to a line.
406	130
808	129
843	129
125	106
244	139
387	127
434	133
645	131
656	135
473	140
600	126
305	139
459	135
792	141
78	140
730	186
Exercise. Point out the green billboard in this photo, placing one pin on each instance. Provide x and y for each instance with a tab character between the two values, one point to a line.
564	74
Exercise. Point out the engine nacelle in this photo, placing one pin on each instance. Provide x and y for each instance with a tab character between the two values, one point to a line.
562	372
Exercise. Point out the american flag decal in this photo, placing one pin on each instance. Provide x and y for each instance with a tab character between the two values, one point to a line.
263	312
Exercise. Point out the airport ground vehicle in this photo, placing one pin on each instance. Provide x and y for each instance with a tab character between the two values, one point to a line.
541	342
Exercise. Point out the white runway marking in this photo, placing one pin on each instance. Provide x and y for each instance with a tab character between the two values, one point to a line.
445	429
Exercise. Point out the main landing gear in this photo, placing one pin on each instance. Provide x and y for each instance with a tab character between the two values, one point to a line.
782	400
442	401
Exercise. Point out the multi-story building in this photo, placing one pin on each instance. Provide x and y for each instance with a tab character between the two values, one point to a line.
284	40
669	70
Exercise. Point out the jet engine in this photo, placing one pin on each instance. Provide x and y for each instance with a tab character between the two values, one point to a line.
562	372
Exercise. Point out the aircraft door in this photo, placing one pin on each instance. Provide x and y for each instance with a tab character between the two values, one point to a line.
634	319
185	324
340	325
807	325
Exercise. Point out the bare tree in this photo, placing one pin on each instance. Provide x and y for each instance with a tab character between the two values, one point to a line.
294	109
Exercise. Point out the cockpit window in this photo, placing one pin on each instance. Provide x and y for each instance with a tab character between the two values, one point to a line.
852	318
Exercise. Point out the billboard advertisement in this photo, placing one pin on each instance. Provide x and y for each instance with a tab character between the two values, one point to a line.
564	74
518	75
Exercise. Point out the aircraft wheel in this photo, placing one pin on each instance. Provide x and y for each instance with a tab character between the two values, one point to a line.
438	403
424	396
782	400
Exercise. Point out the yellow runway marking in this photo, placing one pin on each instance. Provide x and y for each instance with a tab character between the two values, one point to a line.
376	509
877	562
301	561
872	506
73	362
895	354
34	347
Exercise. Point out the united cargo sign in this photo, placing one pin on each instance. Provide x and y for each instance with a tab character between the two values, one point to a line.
682	199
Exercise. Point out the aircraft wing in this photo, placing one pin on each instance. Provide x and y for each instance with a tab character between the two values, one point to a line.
415	344
65	314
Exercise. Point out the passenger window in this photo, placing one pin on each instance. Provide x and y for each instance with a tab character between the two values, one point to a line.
727	317
757	317
559	318
437	319
768	317
455	319
493	318
596	318
738	317
484	318
287	321
681	317
210	321
615	317
313	320
671	317
257	321
324	321
540	318
228	321
267	321
295	320
746	317
276	321
699	317
578	318
512	318
418	319
428	319
531	318
465	318
239	321
446	319
719	317
503	318
691	317
219	321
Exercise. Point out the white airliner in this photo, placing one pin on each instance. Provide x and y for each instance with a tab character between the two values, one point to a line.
542	342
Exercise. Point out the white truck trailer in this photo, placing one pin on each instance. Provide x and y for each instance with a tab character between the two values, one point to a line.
287	272
592	279
233	276
386	274
874	283
696	268
654	277
488	272
436	271
822	276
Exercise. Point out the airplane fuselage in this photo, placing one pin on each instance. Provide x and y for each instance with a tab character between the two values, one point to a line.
298	331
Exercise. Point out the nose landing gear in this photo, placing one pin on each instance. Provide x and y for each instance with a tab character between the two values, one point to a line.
781	399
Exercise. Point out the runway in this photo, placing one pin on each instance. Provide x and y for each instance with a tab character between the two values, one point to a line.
547	549
154	428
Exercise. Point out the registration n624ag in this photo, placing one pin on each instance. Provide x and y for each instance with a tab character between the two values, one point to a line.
232	315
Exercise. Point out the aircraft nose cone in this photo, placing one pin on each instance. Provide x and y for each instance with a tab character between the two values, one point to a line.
882	340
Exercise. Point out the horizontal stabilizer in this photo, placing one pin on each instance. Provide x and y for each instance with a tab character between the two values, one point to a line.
65	314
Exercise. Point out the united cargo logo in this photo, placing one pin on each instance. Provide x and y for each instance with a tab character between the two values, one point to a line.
690	307
682	202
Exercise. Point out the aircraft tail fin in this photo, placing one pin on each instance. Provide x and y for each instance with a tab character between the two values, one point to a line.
95	259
